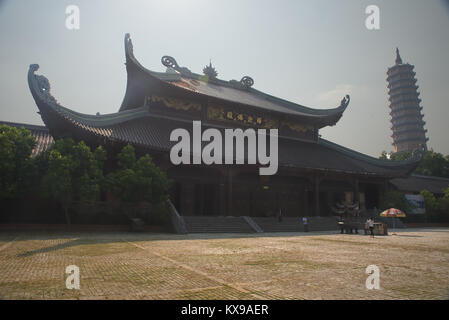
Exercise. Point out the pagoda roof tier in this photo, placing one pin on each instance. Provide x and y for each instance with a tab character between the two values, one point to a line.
151	133
181	82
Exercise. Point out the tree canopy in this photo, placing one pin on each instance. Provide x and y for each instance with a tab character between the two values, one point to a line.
394	199
73	172
17	169
437	209
137	179
432	164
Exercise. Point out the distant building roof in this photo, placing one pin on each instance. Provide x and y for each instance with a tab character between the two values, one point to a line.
43	138
416	183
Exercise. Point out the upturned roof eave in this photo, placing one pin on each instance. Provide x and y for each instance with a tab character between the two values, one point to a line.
405	166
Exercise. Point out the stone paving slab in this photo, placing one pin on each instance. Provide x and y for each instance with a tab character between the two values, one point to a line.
414	264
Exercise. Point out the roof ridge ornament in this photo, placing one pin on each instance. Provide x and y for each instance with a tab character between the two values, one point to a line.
170	62
345	101
398	57
210	71
41	85
129	50
244	84
247	81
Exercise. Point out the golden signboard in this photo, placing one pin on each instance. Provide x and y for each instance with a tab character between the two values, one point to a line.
221	114
177	104
298	127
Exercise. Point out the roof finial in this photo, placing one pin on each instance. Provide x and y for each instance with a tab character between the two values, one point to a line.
210	71
398	57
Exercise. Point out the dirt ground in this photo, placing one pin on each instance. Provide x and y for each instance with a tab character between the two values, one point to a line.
413	264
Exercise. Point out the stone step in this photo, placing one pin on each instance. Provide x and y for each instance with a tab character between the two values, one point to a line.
199	224
208	224
290	224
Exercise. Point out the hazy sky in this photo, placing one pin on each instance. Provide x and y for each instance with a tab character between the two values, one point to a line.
308	52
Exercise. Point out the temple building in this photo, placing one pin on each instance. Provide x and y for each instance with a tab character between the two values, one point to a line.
313	173
407	121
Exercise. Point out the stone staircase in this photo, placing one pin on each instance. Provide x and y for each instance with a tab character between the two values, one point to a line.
323	223
294	224
220	224
271	224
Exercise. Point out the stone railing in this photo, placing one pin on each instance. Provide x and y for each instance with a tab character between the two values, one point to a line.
177	221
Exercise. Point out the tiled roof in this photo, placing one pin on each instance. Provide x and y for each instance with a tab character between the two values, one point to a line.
417	183
232	91
43	138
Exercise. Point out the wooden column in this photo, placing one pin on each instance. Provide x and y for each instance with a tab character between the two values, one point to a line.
316	187
201	199
229	192
356	190
187	199
303	202
222	198
382	189
251	203
278	201
181	208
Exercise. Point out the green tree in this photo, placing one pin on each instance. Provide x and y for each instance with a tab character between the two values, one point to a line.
443	207
395	199
431	205
72	172
384	155
432	164
446	193
57	182
137	180
17	169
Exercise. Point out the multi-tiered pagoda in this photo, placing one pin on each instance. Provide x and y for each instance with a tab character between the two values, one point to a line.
406	117
313	173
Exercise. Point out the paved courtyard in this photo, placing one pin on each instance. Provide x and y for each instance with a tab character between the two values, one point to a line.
413	264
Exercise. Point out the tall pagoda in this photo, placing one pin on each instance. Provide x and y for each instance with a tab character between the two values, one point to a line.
313	173
407	121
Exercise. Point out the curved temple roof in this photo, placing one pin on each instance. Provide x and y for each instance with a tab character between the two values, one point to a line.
142	82
152	133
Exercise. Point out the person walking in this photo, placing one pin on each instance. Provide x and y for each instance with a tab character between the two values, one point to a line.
371	226
305	224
